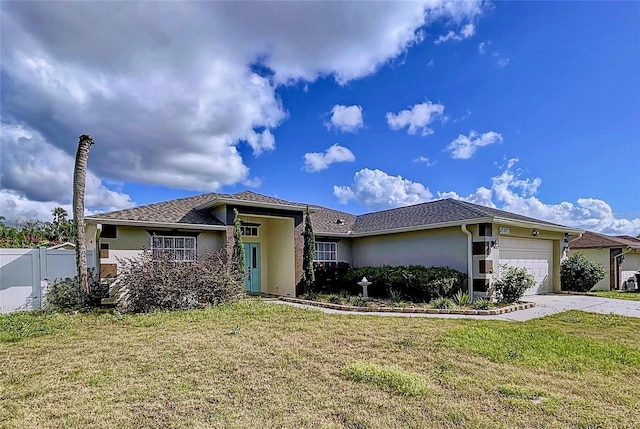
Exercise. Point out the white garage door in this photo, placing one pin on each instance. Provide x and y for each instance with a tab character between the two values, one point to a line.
534	255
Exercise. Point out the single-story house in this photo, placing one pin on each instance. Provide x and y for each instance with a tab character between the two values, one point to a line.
620	256
471	238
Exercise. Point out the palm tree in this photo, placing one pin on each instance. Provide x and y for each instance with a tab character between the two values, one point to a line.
79	175
59	222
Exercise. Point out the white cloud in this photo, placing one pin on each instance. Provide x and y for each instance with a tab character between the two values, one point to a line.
378	190
424	160
499	60
346	118
463	147
417	118
467	31
37	176
510	192
317	161
177	87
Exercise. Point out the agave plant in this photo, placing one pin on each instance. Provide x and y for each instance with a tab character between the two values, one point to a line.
462	299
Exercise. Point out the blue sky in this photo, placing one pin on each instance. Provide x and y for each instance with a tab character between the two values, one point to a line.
532	107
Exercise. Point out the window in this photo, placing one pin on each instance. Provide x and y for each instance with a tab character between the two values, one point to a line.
108	231
249	230
173	248
485	230
326	252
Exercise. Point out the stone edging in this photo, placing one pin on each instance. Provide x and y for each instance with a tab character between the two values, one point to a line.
522	305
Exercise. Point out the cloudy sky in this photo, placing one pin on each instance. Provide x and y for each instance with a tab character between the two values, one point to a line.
526	106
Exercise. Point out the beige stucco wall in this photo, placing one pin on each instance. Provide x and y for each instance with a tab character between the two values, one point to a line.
130	241
446	247
345	251
601	256
277	253
280	257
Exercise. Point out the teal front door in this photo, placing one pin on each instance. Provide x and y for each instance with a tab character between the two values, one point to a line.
252	258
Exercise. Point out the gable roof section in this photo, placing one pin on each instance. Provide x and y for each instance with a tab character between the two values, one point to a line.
593	240
446	211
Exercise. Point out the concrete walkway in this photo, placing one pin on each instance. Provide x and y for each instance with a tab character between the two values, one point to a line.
545	306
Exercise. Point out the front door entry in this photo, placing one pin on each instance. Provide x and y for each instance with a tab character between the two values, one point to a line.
252	259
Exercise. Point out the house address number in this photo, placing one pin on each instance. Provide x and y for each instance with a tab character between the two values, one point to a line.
505	230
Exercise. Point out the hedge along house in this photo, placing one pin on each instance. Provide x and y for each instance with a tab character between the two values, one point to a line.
619	255
470	238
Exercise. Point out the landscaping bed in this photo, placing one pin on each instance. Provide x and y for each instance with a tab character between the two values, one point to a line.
384	306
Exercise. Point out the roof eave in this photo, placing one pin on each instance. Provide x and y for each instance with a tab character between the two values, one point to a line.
150	224
531	224
421	227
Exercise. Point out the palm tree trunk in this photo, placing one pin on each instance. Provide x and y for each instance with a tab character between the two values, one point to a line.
79	175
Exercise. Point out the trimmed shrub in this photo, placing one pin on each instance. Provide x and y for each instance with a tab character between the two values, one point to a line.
149	284
579	274
414	282
66	294
512	284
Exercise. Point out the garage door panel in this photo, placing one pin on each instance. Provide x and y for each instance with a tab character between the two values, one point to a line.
534	255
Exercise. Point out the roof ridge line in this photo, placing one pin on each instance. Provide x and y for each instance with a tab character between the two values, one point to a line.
471	206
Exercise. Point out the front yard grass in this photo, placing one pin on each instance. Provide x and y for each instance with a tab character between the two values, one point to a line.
632	296
257	364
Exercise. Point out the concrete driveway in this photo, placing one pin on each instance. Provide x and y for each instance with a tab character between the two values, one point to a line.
551	304
545	306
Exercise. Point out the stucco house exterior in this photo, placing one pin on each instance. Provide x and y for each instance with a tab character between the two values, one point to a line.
471	238
620	256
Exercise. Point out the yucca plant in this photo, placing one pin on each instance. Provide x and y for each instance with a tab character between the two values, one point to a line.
462	299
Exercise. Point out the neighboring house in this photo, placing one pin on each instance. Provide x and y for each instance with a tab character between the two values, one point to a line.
468	237
620	256
63	246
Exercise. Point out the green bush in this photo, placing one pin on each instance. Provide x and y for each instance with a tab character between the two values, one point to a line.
512	284
66	295
481	304
413	282
579	274
149	284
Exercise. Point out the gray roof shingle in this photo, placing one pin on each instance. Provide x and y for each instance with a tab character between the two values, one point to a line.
432	213
325	220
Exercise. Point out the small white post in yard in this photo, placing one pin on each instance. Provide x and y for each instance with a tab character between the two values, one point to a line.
365	284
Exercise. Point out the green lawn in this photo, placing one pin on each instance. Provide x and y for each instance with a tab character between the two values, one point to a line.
632	296
263	365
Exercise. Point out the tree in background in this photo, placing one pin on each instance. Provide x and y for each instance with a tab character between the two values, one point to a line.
237	257
79	177
37	233
308	254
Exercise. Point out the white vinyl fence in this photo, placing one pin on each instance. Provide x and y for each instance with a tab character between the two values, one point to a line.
25	274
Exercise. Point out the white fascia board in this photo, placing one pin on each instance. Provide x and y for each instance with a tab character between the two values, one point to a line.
542	226
457	223
141	223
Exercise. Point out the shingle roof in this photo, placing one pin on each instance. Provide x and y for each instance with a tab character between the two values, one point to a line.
591	240
175	211
331	221
432	213
325	220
